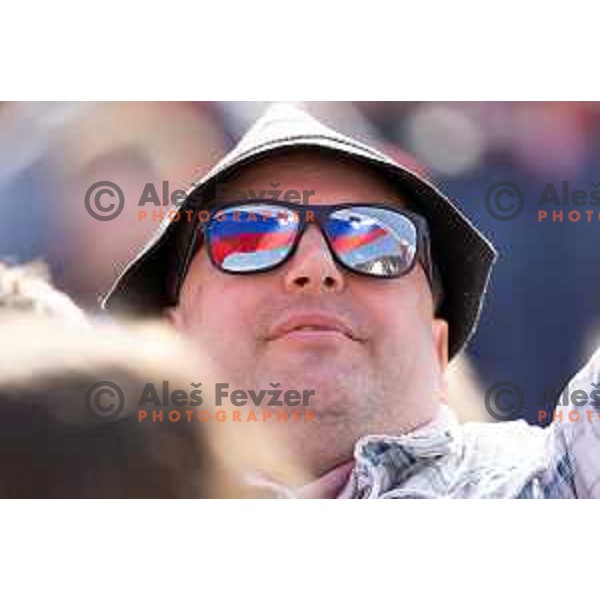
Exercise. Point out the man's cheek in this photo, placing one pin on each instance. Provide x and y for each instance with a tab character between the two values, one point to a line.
400	338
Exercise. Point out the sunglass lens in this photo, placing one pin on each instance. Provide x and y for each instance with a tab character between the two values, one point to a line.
251	238
373	241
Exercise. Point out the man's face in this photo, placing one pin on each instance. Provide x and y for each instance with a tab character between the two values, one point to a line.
387	377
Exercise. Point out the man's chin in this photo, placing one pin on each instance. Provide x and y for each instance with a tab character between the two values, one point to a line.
325	392
310	350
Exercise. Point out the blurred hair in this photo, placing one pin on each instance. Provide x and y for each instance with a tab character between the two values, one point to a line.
53	446
27	288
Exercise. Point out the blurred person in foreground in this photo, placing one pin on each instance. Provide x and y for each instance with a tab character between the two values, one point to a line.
58	440
362	284
27	289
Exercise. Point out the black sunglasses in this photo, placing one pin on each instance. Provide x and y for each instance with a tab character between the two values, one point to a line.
375	240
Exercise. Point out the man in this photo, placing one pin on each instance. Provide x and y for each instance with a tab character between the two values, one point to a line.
362	293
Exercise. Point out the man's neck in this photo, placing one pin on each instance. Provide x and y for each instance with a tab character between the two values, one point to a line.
328	485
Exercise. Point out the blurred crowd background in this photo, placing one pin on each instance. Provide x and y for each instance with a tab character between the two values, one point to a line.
542	316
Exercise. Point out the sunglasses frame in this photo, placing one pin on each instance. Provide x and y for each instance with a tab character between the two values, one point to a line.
318	216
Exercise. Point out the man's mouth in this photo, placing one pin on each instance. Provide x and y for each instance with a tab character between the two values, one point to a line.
312	326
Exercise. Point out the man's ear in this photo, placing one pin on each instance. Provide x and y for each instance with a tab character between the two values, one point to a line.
440	338
173	316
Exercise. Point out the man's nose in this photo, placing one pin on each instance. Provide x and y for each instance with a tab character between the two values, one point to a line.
312	269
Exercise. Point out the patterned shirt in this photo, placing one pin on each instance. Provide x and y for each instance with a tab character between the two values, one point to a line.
446	459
